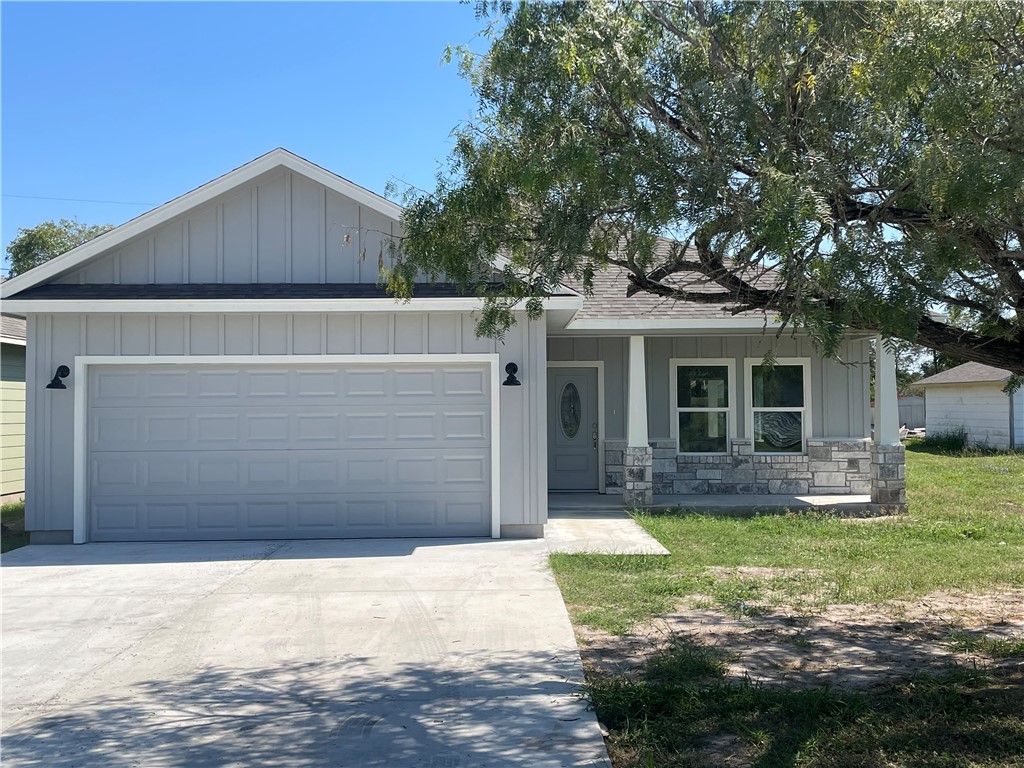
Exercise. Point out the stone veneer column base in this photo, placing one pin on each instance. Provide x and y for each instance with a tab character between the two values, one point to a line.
638	480
888	478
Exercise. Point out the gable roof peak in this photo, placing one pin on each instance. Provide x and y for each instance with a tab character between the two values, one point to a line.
275	158
966	373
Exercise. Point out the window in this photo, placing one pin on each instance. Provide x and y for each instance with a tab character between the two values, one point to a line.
702	397
569	410
778	406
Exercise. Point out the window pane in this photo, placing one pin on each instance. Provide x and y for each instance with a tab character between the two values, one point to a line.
702	386
702	432
778	432
570	410
779	387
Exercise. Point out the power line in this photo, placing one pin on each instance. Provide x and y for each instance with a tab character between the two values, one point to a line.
78	200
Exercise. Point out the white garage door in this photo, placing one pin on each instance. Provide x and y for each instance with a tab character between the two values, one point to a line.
264	452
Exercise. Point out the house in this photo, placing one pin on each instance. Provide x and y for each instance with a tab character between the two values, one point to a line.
12	406
970	397
226	366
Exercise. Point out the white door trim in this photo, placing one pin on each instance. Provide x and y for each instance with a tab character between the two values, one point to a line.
81	384
599	366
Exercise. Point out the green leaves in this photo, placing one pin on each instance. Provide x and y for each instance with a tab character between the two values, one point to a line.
48	240
871	153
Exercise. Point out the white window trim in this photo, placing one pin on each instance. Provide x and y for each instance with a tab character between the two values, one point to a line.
83	363
730	364
749	364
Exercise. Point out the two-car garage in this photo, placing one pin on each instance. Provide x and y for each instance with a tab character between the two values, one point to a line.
267	450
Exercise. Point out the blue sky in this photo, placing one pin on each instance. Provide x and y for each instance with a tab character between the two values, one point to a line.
140	102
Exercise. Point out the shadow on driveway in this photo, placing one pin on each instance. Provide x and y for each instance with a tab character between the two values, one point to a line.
473	710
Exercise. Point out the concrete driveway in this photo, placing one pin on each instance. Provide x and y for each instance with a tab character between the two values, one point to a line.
438	653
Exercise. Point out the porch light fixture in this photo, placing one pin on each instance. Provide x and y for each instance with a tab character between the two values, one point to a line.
511	369
62	373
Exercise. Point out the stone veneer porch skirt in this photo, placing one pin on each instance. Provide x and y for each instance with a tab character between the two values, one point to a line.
830	467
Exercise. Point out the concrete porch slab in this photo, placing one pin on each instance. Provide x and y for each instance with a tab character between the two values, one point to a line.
595	524
609	506
765	502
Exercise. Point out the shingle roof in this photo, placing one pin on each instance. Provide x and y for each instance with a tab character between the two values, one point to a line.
968	373
609	300
12	327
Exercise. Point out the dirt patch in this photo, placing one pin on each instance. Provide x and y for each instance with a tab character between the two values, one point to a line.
759	572
847	646
876	519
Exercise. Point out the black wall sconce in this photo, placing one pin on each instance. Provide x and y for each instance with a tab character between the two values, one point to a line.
511	369
62	373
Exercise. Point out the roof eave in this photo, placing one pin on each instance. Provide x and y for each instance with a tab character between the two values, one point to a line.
265	306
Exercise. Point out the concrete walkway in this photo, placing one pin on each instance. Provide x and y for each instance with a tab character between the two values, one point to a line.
598	523
334	653
592	523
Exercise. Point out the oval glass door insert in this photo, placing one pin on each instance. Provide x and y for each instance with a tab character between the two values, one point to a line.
569	410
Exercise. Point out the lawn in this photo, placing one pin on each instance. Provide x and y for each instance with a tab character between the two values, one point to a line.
683	703
965	532
13	518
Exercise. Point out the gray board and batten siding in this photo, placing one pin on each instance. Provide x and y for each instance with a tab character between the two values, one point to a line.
839	396
279	228
58	339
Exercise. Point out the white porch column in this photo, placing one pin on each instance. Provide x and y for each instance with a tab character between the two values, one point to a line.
888	457
636	422
638	480
887	427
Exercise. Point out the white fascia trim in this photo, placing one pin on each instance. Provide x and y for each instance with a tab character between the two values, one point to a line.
501	262
257	306
644	324
599	366
274	159
574	303
80	384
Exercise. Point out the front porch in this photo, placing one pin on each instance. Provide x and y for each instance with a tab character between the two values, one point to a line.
697	421
598	506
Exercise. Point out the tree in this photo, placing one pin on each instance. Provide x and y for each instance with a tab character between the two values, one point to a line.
48	240
835	165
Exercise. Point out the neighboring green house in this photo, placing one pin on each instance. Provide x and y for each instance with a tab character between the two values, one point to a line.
12	405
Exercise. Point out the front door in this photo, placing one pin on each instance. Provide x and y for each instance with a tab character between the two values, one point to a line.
572	429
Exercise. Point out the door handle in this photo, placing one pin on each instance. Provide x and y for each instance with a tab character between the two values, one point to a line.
593	436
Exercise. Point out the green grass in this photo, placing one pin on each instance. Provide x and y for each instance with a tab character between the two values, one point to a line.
13	517
981	643
680	712
964	532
